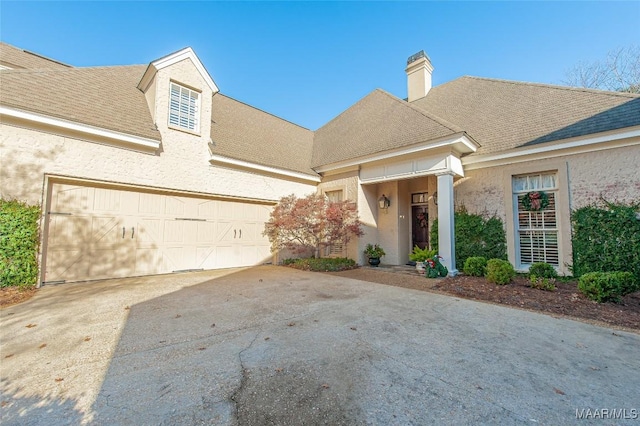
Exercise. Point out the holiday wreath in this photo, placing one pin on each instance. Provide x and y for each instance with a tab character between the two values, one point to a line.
535	200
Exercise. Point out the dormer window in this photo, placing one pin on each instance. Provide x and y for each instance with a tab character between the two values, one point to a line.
184	108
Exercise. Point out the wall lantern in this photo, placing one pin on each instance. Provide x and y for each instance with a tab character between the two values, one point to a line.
435	198
384	202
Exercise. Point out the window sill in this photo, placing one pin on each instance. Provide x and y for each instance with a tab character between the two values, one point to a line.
183	130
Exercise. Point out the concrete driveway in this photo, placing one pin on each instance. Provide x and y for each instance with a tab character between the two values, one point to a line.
271	345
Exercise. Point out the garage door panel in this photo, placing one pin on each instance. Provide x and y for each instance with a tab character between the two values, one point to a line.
151	204
106	230
206	257
71	199
97	232
150	261
226	256
106	263
62	230
225	232
208	210
249	255
173	258
206	233
249	233
173	231
149	231
58	265
174	206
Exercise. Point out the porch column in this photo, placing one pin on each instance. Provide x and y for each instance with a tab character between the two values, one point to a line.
446	229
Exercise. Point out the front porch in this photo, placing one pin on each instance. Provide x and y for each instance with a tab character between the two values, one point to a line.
407	221
394	189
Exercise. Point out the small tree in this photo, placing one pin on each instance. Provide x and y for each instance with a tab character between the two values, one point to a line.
312	222
619	71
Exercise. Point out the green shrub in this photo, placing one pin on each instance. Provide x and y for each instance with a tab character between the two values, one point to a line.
607	286
323	264
475	266
542	270
420	255
606	239
542	283
475	236
500	271
19	240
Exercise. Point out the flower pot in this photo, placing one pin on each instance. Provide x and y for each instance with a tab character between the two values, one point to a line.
374	261
420	267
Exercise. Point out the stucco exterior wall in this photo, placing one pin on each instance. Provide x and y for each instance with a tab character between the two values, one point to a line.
582	179
346	182
27	155
612	173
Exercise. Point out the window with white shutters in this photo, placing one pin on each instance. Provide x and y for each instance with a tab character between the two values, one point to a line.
184	108
536	229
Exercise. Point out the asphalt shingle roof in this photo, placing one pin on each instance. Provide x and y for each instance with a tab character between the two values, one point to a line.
502	115
105	97
16	58
246	133
377	123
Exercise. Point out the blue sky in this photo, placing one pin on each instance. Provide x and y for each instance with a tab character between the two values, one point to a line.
308	61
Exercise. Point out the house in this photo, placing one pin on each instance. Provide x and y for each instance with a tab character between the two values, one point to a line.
149	169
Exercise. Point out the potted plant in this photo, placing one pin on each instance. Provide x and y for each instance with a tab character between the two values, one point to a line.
374	253
420	256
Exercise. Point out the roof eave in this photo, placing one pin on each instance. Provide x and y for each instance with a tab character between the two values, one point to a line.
461	143
215	158
135	142
593	142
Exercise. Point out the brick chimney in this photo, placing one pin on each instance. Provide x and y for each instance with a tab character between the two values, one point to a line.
418	71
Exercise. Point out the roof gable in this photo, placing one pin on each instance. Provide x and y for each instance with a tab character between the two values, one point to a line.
378	122
166	61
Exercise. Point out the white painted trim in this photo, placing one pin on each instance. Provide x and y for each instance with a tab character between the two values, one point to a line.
274	170
83	181
180	55
549	149
140	142
471	145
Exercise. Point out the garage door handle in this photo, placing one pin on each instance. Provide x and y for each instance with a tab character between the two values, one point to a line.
240	234
133	231
234	233
123	232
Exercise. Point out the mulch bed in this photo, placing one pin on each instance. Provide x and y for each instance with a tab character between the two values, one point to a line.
14	295
565	300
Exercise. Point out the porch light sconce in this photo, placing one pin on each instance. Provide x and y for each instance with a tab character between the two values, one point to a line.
384	202
435	198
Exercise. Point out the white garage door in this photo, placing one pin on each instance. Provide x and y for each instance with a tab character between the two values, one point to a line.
97	233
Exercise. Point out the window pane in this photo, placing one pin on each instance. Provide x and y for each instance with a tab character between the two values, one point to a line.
537	232
549	181
334	196
183	107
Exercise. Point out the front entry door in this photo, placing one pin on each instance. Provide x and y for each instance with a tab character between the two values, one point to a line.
420	226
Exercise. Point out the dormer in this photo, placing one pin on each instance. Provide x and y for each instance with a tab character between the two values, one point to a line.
178	90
